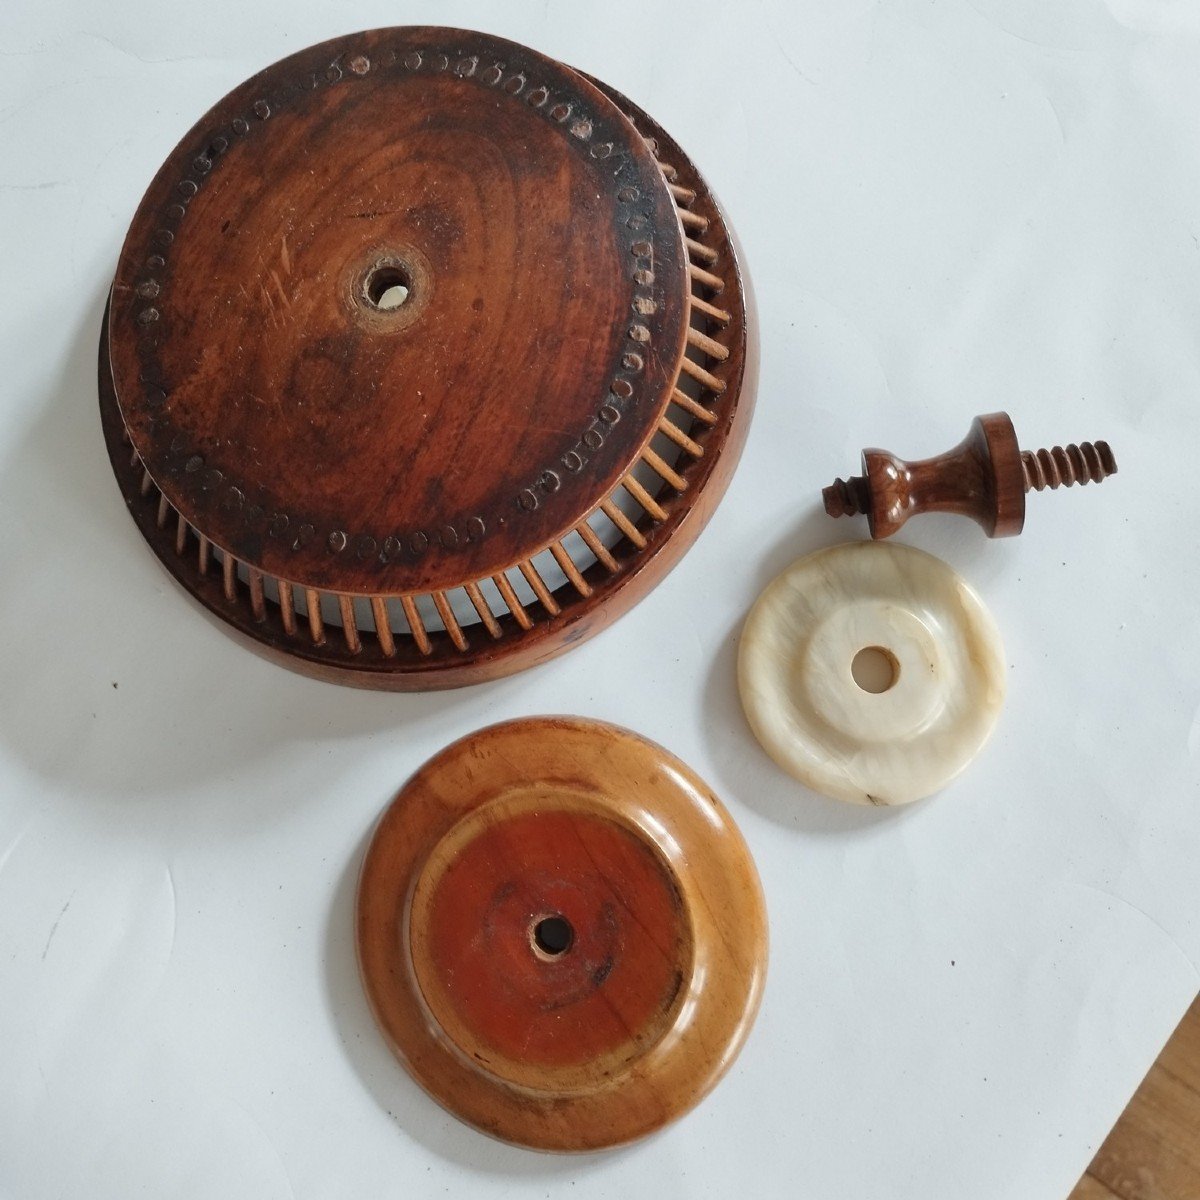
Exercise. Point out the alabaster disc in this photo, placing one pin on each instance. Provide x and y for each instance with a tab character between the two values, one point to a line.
924	642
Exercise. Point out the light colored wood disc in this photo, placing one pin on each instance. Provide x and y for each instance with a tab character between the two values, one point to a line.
561	933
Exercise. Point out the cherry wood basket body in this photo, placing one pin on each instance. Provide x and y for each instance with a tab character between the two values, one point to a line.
466	484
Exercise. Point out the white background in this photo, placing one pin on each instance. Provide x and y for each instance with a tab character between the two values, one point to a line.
948	207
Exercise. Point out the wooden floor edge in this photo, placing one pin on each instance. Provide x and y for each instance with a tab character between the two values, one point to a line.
1153	1151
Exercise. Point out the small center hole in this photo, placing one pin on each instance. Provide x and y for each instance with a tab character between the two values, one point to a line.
553	935
875	669
387	287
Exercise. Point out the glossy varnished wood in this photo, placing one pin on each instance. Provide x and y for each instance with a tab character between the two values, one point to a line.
562	360
642	1003
985	477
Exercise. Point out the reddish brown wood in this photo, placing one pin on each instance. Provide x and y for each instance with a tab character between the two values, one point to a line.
546	364
561	933
985	477
509	983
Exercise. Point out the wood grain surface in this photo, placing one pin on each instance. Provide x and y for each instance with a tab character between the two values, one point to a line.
1153	1152
980	478
475	477
561	933
985	477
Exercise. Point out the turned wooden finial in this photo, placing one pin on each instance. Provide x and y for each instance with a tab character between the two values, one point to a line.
985	477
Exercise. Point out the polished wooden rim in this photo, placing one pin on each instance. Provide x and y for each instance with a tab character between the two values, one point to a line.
527	820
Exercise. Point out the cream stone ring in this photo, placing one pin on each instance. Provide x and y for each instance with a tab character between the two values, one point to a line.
871	672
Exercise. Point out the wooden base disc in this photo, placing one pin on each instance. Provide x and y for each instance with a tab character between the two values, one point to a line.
561	933
420	364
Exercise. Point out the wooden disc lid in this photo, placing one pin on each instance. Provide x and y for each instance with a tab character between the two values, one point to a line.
561	933
407	336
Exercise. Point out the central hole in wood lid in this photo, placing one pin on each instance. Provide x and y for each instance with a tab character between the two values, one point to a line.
875	669
553	935
388	286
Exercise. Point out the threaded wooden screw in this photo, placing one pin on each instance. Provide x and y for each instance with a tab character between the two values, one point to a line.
1065	466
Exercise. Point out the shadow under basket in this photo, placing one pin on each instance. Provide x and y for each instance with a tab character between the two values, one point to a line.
425	359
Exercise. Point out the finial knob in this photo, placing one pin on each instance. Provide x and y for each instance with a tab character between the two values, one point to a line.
985	477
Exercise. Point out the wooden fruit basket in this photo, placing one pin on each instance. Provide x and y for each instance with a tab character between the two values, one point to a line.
426	357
